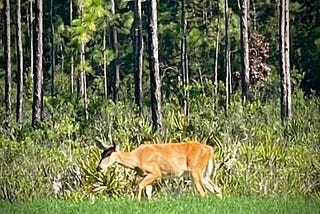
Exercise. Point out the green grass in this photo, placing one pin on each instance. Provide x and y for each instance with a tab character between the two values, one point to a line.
187	204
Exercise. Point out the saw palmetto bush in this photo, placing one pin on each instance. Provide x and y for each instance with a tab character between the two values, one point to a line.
112	182
272	169
30	171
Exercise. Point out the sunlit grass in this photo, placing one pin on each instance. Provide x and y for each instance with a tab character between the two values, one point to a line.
186	204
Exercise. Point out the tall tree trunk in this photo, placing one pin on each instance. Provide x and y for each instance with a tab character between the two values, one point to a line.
62	63
286	109
7	56
38	68
82	75
154	65
227	55
216	56
19	113
138	53
83	81
184	60
254	15
216	66
86	114
31	37
80	82
245	75
116	62
71	55
53	50
105	64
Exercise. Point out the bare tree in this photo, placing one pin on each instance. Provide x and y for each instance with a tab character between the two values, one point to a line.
245	73
82	78
7	56
216	61
227	64
31	36
38	67
19	112
184	59
53	49
154	65
138	53
286	109
104	44
71	55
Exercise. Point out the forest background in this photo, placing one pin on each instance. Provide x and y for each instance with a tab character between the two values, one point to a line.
76	72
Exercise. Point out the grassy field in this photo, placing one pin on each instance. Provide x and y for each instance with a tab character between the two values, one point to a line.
185	204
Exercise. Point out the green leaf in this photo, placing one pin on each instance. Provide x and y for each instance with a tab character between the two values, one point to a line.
76	22
195	37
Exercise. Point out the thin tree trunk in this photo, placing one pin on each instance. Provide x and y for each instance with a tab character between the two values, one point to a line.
227	55
82	61
85	95
31	38
19	113
287	54
53	51
138	53
254	15
230	73
216	66
7	56
83	78
72	74
105	64
71	55
154	65
83	81
244	49
61	49
184	60
216	58
38	68
116	62
286	109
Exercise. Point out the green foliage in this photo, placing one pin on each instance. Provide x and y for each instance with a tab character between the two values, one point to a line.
266	157
271	168
30	171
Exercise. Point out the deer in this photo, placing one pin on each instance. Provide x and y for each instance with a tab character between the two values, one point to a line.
153	161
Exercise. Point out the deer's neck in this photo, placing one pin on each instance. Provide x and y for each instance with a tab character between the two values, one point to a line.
126	159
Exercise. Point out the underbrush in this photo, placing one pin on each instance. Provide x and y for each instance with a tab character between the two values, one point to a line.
261	156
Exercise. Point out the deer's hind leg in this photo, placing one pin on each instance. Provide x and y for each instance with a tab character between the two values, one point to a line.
197	178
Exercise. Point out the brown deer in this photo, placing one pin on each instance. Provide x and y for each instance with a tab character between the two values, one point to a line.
153	161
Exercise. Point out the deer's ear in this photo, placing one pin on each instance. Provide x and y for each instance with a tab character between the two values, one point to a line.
100	144
115	146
